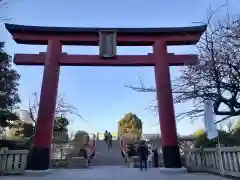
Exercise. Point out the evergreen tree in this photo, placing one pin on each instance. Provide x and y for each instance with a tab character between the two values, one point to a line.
9	96
60	124
130	125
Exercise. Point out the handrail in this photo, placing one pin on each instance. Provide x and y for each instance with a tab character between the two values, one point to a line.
123	148
92	149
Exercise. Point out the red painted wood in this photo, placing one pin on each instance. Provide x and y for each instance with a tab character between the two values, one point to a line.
54	58
164	96
94	60
161	60
46	111
68	39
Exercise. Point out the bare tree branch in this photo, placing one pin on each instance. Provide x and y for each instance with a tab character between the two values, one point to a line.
217	77
3	5
223	119
62	108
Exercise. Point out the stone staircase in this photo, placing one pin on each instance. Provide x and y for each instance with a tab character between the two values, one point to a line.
103	156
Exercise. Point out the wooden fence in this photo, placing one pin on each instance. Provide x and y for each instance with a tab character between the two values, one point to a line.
223	160
12	161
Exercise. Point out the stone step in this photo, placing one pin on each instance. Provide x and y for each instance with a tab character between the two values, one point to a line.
105	156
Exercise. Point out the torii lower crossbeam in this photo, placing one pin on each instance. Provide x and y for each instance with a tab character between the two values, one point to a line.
94	60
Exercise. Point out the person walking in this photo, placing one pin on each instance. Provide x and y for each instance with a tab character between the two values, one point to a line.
155	152
150	156
106	136
109	140
143	153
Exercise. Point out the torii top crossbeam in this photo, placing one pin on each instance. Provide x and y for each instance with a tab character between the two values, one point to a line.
89	36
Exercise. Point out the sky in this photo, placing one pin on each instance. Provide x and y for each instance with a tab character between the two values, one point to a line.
98	92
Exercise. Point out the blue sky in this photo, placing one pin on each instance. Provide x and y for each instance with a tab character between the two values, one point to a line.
99	92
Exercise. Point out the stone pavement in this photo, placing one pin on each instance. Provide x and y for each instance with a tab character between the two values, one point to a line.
113	173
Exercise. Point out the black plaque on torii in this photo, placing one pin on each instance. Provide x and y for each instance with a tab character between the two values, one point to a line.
108	44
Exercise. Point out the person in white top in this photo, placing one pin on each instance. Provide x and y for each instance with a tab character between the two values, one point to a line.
150	156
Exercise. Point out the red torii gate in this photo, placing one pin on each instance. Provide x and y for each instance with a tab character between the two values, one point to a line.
55	37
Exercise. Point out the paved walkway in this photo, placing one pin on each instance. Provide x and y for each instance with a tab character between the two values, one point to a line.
103	156
113	173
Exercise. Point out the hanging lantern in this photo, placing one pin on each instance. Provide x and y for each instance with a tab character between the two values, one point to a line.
107	44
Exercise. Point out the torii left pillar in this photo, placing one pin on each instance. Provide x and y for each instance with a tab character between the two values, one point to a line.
41	153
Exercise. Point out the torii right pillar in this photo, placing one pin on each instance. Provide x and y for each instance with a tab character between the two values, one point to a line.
169	141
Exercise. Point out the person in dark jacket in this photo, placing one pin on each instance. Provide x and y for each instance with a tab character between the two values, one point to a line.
143	153
106	136
156	163
109	140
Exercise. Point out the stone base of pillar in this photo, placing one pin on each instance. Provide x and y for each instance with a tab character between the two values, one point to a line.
40	158
171	157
